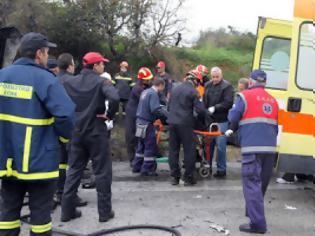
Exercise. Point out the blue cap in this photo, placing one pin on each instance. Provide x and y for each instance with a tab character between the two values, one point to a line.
52	63
35	41
258	75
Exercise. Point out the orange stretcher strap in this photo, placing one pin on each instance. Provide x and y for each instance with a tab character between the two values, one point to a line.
160	131
208	133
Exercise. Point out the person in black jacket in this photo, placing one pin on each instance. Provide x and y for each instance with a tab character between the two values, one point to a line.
184	100
144	82
90	138
123	83
161	73
218	99
66	68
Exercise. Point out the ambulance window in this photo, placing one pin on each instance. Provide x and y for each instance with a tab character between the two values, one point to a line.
306	59
275	62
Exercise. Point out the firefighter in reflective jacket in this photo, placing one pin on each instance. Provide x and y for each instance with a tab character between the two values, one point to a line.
123	83
34	111
149	110
256	114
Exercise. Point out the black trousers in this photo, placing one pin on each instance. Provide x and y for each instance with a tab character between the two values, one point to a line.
64	148
182	134
123	102
40	205
83	148
130	138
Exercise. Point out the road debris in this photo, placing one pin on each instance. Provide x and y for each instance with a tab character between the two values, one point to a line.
198	196
218	228
176	226
287	207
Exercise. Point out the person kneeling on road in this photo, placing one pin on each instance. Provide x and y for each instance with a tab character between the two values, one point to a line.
184	100
149	110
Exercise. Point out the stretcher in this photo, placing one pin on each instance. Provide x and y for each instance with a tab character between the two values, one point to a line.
203	146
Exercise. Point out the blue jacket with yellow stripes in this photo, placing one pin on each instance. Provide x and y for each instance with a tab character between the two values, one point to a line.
34	112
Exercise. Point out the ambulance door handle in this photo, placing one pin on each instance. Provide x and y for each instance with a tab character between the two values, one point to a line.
294	104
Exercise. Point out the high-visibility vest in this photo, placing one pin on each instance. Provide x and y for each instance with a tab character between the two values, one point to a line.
259	123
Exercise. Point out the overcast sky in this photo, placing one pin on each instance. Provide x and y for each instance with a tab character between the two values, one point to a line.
242	14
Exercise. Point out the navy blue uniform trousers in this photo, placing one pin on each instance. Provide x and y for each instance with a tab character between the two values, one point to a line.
256	174
40	204
146	152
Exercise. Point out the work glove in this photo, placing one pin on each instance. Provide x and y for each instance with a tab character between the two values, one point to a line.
229	133
109	124
211	110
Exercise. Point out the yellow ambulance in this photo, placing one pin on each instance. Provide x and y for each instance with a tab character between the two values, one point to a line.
285	50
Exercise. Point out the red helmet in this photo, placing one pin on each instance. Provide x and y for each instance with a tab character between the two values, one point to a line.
124	64
203	70
145	74
161	64
194	75
93	57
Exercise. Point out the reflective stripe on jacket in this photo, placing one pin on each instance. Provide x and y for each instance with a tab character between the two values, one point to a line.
34	112
258	124
123	83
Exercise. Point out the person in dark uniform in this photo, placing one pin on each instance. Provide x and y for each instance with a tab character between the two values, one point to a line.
90	139
53	66
162	74
66	67
34	110
123	83
144	82
149	110
256	114
184	101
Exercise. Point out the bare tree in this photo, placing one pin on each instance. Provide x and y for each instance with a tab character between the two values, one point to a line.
6	8
164	24
139	10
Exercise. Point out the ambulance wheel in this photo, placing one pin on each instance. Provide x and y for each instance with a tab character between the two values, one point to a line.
204	172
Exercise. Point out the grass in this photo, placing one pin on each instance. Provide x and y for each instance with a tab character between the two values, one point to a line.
234	63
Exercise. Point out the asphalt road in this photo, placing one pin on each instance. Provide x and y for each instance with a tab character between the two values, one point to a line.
290	209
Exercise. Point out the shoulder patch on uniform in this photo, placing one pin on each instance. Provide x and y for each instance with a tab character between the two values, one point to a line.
16	91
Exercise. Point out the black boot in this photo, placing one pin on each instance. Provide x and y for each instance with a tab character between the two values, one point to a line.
80	202
68	217
106	218
189	181
247	229
175	181
149	174
220	174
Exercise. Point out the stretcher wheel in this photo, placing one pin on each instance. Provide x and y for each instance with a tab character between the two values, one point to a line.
204	172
